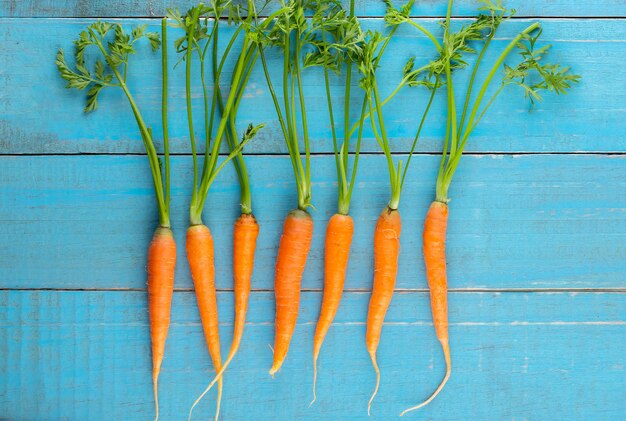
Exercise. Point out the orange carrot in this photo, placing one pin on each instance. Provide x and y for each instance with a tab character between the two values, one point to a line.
245	235
292	253
386	251
337	251
435	258
200	254
161	263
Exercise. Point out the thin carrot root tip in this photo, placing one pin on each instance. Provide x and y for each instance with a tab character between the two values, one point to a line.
219	399
155	383
275	368
446	353
369	404
314	382
273	371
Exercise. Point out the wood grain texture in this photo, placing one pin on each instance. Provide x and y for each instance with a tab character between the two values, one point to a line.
531	221
553	218
86	355
39	116
145	8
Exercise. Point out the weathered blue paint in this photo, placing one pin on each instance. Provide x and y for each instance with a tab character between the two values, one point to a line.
86	355
519	225
46	118
538	221
124	8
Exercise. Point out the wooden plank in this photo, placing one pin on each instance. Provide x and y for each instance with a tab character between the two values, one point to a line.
45	118
86	355
531	221
137	8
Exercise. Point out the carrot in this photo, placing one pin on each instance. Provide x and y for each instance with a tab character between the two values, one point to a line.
338	240
246	233
161	263
200	254
292	254
435	259
386	251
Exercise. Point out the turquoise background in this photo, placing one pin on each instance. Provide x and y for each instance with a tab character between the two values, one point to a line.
536	250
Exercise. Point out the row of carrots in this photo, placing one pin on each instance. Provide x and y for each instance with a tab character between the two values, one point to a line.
309	34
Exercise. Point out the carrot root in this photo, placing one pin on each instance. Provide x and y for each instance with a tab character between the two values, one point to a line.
446	353
314	381
155	386
375	364
161	265
386	251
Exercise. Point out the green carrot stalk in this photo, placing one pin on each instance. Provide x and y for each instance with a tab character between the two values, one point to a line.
532	74
112	72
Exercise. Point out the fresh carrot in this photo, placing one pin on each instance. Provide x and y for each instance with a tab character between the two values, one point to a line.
386	252
244	245
550	77
116	51
337	251
200	254
434	235
292	253
161	264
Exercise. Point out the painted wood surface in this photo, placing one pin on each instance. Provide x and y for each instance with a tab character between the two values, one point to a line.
516	356
145	8
537	239
39	116
531	221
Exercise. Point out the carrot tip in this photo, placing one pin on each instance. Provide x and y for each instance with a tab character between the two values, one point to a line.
155	385
314	381
446	353
369	404
219	399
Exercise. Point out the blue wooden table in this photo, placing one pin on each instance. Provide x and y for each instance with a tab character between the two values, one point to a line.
537	240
